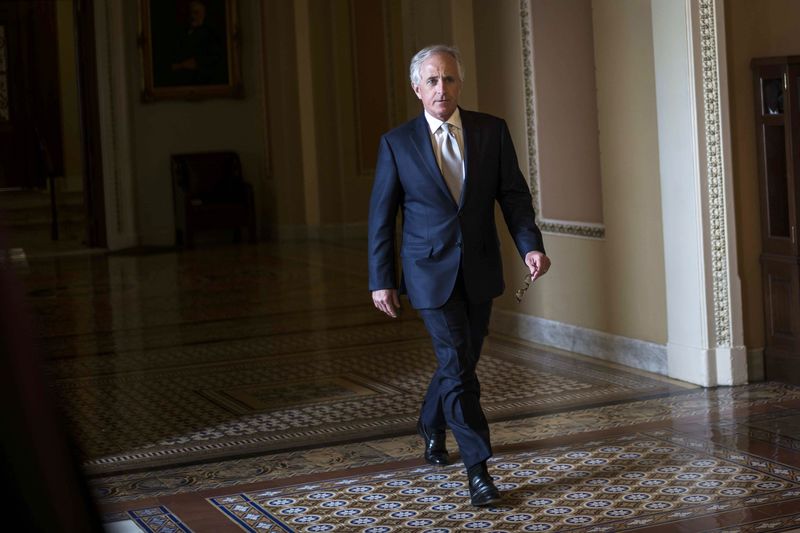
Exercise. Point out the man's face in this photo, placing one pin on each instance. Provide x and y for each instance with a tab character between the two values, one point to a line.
439	86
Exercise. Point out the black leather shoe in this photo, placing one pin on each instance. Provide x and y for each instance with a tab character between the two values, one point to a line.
482	491
435	450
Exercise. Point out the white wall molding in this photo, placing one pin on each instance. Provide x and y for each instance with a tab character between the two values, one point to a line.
113	68
635	353
704	326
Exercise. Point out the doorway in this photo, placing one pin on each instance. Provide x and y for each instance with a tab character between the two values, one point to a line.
49	150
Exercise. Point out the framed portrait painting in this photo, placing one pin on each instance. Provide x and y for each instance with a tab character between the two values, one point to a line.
190	49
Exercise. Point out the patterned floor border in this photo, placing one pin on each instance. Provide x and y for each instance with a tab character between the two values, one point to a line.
615	484
151	520
752	427
714	403
789	523
204	422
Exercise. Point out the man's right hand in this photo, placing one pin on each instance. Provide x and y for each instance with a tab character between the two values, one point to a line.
386	300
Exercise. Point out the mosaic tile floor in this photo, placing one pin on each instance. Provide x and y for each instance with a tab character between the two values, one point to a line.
245	369
601	485
254	388
259	397
682	473
154	519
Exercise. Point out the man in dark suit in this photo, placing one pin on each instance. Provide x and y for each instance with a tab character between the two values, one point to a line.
445	170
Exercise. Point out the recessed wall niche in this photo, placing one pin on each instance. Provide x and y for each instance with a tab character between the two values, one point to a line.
558	46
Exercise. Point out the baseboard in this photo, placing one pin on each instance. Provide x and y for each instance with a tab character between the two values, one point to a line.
692	364
755	365
635	353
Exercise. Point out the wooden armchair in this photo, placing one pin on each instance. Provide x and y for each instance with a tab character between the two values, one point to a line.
210	193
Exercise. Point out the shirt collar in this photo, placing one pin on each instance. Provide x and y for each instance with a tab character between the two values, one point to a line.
434	123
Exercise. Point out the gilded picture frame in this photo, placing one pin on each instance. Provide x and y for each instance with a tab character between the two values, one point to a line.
189	49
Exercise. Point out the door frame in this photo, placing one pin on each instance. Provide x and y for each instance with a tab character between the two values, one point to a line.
89	111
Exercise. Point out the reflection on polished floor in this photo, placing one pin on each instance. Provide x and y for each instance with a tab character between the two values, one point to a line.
254	387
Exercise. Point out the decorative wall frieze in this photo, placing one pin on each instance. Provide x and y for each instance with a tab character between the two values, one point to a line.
586	230
530	112
715	171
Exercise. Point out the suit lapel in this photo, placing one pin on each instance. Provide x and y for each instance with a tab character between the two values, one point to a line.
471	136
421	139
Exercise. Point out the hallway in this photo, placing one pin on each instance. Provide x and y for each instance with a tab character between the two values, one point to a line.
255	387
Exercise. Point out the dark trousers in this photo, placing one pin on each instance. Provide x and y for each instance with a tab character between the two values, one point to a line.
453	398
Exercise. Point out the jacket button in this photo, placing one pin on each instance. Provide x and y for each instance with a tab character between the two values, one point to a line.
458	244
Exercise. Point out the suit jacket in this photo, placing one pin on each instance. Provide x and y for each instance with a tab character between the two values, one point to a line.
439	235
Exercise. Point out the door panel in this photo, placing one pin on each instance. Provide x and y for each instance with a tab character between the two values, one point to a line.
782	314
30	106
14	171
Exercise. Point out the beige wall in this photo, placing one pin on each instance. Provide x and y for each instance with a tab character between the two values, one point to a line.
753	29
70	119
168	127
284	201
566	111
615	285
318	179
626	102
424	22
344	186
340	184
296	128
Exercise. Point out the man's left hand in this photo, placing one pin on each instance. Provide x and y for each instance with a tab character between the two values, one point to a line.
538	263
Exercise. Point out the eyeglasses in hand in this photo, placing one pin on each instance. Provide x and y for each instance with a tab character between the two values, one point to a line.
526	283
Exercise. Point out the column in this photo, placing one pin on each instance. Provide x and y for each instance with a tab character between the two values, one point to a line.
704	314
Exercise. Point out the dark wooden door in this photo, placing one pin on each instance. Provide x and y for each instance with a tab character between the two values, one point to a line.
777	106
30	105
15	164
90	121
781	277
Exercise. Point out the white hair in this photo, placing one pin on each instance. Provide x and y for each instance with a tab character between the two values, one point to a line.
428	51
